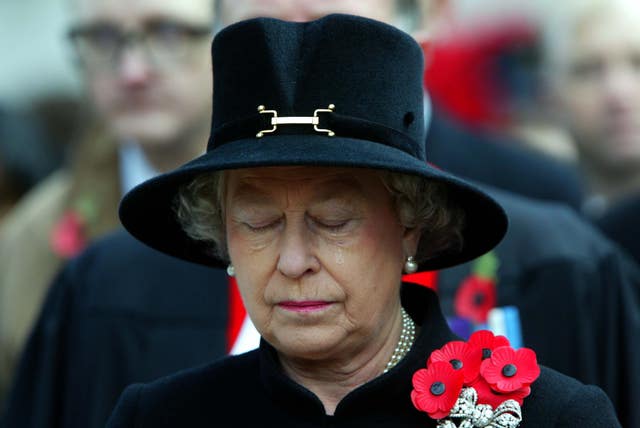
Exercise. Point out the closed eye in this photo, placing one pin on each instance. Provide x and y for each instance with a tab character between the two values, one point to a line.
262	227
333	226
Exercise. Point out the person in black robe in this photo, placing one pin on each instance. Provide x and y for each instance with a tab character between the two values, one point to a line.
119	313
572	296
620	224
501	163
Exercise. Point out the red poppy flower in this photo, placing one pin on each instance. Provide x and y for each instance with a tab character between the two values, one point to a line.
509	370
436	389
486	395
461	356
485	340
68	237
475	298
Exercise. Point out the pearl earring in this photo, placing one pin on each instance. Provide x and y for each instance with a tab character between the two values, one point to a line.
410	266
231	271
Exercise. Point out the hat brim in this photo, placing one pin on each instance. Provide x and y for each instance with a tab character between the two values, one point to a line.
147	210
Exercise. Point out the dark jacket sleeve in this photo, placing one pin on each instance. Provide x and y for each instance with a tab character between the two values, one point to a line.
614	337
35	397
589	407
124	415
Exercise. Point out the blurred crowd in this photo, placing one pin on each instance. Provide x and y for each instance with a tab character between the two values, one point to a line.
539	101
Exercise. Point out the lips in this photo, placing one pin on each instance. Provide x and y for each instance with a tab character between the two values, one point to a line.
304	305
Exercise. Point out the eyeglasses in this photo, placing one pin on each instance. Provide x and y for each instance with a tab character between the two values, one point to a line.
164	42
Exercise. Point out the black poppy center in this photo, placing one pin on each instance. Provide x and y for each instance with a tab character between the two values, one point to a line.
437	388
509	370
456	364
478	299
486	353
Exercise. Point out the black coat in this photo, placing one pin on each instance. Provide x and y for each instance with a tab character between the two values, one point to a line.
124	313
501	163
578	298
118	314
251	390
620	223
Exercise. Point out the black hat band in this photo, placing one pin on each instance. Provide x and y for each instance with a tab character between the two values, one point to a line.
338	124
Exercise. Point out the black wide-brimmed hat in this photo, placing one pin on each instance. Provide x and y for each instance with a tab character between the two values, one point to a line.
339	91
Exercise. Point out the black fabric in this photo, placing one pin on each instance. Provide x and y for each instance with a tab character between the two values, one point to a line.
578	301
577	295
371	72
251	390
501	163
621	223
296	68
342	125
119	314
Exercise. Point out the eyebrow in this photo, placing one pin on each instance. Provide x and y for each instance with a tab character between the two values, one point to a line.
146	23
331	189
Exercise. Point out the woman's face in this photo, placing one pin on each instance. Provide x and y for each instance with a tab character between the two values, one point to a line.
318	254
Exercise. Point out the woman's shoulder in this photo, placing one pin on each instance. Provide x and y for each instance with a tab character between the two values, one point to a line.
559	400
185	394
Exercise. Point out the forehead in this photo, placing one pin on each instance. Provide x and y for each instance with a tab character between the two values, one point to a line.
136	11
614	27
306	10
591	26
314	181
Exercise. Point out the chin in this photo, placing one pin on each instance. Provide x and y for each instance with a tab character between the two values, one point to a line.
311	346
146	131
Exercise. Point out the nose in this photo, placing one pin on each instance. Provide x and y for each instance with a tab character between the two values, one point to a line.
297	257
134	68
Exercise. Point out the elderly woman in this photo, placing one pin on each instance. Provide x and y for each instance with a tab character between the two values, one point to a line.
315	193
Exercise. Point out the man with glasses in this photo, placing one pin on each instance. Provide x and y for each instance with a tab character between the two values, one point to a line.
146	69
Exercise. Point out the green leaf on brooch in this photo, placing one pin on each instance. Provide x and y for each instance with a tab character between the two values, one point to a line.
486	266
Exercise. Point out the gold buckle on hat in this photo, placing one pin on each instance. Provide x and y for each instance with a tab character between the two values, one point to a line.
295	120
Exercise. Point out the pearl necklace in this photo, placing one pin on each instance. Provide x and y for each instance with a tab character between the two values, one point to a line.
407	336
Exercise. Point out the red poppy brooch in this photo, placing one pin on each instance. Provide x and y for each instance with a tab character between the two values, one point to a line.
478	383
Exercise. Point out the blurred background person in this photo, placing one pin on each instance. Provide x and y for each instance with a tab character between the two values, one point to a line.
592	54
482	62
146	70
527	270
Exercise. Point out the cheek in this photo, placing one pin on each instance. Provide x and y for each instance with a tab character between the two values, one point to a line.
369	279
192	87
252	268
102	91
584	107
364	264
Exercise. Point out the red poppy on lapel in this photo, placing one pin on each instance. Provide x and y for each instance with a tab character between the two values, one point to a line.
475	298
436	389
68	235
509	370
486	395
462	357
487	342
463	378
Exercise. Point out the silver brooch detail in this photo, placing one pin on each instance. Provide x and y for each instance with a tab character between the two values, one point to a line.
473	415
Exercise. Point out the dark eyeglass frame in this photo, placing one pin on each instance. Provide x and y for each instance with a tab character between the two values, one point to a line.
125	39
